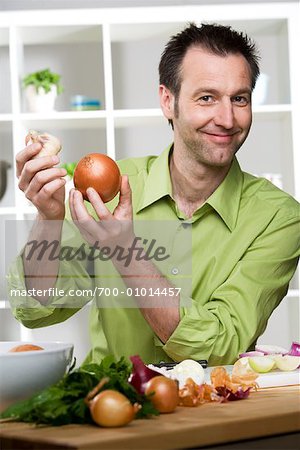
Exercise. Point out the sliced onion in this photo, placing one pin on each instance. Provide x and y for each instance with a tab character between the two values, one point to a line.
286	362
262	364
271	349
250	354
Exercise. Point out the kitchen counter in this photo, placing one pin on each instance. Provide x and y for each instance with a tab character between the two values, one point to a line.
267	412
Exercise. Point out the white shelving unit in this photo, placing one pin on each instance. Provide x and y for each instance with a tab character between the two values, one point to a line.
113	54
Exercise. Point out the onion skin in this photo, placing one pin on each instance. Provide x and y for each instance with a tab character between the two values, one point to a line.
250	354
232	396
25	348
295	349
163	393
110	408
99	172
50	144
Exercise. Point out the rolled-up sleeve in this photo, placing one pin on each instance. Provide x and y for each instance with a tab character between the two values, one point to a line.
73	278
237	312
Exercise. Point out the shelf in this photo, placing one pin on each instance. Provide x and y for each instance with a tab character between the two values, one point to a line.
274	113
5	122
74	52
4	37
5	210
4	304
113	54
65	119
125	117
62	34
6	117
278	109
122	117
293	293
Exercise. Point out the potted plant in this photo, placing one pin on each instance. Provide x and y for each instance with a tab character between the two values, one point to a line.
41	90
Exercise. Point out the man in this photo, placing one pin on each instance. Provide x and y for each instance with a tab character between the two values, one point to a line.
245	242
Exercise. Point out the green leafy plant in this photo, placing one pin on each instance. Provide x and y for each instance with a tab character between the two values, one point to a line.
43	79
70	167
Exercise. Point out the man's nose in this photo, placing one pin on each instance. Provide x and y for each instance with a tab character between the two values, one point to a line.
224	114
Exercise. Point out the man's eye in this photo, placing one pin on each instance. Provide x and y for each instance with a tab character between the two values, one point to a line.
240	100
206	99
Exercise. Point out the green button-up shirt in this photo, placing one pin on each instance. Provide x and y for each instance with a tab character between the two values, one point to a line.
245	247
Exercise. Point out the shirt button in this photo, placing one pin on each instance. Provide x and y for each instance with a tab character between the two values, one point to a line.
174	271
186	224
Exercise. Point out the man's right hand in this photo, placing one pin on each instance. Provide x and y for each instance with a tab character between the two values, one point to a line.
42	182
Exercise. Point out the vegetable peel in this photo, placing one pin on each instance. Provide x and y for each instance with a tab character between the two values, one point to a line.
224	387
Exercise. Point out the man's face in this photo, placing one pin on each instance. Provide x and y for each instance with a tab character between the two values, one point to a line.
212	115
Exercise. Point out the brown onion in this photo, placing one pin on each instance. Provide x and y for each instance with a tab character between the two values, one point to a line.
110	408
163	393
25	348
141	374
99	172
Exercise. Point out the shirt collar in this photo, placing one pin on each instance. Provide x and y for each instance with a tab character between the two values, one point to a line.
225	200
158	183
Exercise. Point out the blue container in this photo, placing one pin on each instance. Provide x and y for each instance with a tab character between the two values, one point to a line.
84	103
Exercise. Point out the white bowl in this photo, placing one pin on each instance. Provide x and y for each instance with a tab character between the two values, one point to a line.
22	374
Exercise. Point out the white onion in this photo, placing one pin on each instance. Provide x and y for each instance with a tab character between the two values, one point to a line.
187	368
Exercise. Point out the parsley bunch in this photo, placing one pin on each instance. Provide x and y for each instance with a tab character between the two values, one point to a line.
63	403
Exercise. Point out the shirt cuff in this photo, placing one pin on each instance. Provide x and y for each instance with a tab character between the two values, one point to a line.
194	337
71	279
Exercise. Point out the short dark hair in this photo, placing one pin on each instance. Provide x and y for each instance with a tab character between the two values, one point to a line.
218	39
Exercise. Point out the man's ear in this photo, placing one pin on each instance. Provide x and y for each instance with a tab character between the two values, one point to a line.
167	102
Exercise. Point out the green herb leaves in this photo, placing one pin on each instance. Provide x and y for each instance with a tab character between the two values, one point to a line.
63	403
44	79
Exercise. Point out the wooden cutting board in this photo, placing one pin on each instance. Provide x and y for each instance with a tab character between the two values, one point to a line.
267	412
274	378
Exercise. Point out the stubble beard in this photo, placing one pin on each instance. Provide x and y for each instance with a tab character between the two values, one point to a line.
209	154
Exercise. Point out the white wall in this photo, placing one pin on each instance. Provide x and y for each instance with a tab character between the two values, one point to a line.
59	4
